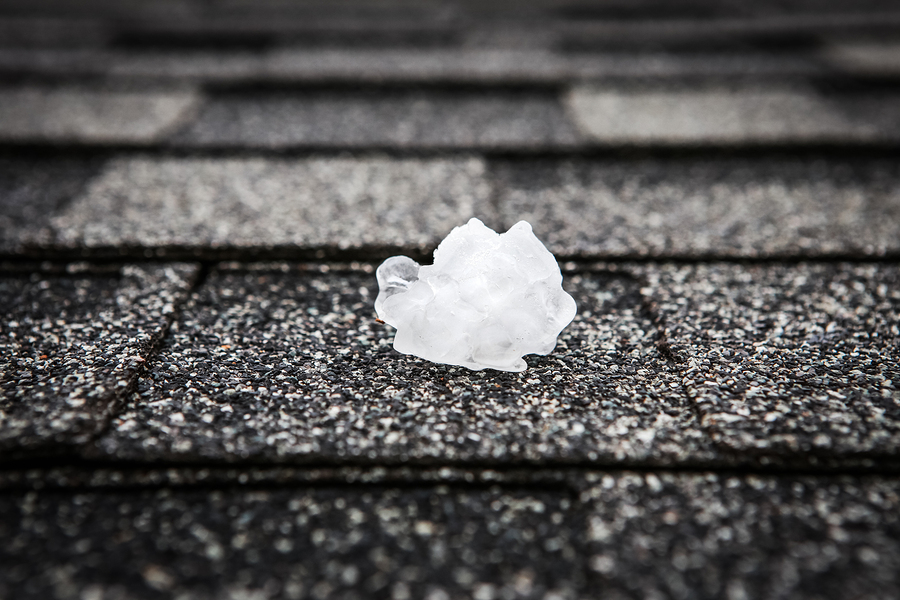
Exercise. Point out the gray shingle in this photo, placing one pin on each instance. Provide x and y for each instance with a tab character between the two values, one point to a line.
31	192
255	202
731	116
49	31
714	535
705	206
71	346
286	365
788	360
82	115
453	65
418	65
697	535
866	58
294	543
496	120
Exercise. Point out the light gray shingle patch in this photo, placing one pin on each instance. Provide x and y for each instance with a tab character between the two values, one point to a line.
705	206
71	346
256	202
81	115
866	58
288	366
790	361
730	116
31	191
496	120
351	542
713	535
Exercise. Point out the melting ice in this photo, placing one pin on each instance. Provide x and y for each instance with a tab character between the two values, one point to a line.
487	300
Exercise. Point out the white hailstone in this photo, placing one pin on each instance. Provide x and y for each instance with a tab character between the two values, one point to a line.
487	300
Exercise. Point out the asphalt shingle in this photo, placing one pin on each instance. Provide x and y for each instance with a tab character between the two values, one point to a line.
213	203
71	346
84	115
49	31
479	63
401	119
731	116
244	431
292	366
866	58
705	206
711	535
619	534
790	361
31	191
438	543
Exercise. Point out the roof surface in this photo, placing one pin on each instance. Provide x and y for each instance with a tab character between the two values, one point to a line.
196	398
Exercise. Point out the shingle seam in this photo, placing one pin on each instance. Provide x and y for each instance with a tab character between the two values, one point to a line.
164	475
120	399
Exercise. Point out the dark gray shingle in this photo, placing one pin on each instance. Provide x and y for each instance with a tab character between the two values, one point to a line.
416	119
292	366
705	206
72	345
788	360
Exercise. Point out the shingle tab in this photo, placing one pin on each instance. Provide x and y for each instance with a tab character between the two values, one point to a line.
83	115
715	535
71	346
460	65
32	190
327	542
696	535
417	119
729	116
788	360
705	206
256	202
867	58
292	366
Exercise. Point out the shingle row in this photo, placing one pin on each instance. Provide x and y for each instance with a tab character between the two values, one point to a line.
586	117
691	26
701	206
619	534
711	365
477	64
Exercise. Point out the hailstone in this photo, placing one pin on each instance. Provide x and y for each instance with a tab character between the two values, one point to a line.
487	300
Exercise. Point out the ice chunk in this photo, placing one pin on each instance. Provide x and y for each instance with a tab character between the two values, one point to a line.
487	300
